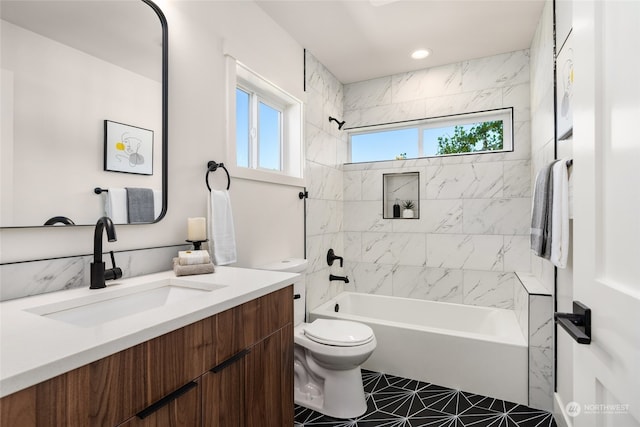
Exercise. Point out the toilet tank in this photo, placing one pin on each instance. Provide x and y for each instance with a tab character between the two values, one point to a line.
293	265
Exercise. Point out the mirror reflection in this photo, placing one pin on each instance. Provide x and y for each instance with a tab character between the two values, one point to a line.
82	108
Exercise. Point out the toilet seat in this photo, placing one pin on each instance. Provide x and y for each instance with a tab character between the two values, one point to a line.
340	333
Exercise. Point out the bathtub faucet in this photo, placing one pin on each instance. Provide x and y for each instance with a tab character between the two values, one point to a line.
345	279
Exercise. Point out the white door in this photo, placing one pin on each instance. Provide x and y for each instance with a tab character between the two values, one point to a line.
607	210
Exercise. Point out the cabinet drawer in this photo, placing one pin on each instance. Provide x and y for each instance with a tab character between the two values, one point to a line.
178	357
117	386
241	327
183	411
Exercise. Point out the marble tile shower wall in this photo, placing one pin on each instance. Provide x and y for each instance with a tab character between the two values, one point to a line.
472	233
326	151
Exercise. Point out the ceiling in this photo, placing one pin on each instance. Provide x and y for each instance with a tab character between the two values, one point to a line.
363	39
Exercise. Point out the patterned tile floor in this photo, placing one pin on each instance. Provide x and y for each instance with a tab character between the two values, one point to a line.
400	402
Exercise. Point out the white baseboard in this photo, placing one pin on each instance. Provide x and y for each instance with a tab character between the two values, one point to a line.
560	412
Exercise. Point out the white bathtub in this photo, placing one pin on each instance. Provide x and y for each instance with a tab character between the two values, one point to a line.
476	349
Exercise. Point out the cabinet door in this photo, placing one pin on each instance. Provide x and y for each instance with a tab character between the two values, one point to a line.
269	381
223	397
181	411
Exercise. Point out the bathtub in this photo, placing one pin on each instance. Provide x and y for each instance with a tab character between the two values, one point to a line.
475	349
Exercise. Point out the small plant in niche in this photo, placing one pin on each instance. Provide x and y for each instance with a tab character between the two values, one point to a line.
407	206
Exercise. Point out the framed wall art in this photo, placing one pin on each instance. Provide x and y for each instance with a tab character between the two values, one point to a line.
127	148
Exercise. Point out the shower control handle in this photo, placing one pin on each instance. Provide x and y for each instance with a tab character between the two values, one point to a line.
331	256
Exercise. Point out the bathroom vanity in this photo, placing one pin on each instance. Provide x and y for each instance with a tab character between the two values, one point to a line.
218	358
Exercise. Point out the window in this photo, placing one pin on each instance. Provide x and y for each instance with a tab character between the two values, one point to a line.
259	136
484	132
267	135
384	145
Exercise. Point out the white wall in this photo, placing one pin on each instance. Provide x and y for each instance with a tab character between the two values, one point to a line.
269	219
474	209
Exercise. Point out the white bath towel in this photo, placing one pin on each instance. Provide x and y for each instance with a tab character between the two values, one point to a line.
221	232
115	205
560	215
542	205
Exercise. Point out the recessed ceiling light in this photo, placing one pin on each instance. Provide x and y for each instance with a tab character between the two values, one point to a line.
420	53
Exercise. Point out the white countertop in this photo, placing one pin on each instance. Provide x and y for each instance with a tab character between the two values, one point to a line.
34	348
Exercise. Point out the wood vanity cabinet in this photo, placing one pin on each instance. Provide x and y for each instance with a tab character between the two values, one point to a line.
231	369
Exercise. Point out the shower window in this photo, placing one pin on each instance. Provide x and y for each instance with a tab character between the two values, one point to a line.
471	133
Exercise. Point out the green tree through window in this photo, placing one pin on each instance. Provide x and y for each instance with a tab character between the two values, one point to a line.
485	136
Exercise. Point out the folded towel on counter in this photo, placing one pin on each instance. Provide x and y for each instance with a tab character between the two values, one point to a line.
115	205
560	215
193	257
140	205
190	270
541	212
221	231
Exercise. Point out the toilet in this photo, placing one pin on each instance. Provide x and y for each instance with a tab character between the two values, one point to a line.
327	356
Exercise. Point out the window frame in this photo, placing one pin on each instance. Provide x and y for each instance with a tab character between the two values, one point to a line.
291	127
504	114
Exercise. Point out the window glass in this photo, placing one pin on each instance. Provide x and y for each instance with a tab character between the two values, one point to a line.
481	132
242	128
269	137
474	137
386	145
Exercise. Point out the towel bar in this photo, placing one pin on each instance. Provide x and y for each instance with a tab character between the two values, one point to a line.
212	166
577	324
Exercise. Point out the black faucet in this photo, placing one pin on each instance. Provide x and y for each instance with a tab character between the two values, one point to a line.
98	272
345	279
331	256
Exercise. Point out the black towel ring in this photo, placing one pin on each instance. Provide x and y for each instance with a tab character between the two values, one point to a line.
212	167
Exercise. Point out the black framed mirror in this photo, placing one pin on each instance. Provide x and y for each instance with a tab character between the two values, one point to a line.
69	68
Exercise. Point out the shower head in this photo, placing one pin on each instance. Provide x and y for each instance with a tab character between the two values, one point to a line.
340	124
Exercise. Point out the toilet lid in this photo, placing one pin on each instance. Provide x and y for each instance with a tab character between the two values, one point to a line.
341	333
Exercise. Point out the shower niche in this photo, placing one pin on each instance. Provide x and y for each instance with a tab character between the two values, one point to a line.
401	195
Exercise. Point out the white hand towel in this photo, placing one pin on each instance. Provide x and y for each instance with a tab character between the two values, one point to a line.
193	257
560	215
221	232
115	205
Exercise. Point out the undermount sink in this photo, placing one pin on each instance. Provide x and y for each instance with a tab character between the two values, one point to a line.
89	311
